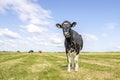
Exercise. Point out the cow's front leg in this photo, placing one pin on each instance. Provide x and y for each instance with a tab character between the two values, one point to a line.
69	61
76	62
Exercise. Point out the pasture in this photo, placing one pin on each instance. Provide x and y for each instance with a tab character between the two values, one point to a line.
53	66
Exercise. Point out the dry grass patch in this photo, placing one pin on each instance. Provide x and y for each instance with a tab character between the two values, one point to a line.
10	62
100	62
62	57
39	67
115	60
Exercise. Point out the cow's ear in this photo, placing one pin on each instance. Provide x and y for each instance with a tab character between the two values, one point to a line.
58	25
73	24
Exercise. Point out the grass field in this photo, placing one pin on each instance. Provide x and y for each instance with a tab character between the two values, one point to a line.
48	66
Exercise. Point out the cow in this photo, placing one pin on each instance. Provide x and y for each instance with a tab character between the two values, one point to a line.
73	43
40	51
30	51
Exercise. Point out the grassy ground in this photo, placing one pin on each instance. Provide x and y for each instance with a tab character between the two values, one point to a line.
47	66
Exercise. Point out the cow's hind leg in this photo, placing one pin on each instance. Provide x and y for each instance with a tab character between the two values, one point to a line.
73	62
76	62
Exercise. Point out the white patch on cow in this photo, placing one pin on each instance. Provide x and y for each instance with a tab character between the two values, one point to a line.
65	23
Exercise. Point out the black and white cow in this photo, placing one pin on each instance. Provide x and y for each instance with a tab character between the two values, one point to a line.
73	43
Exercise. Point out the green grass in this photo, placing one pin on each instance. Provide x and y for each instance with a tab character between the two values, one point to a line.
48	66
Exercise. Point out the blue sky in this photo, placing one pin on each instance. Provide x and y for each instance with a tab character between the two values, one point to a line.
30	24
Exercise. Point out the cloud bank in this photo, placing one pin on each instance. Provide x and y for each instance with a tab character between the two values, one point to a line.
36	21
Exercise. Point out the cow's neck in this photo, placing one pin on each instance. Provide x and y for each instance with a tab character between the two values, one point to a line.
69	39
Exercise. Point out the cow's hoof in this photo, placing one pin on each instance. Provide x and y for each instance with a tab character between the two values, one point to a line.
76	70
68	70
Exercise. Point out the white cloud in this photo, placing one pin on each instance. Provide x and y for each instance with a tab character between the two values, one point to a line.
7	44
1	42
118	47
27	10
89	42
104	34
90	37
57	40
49	39
10	34
111	25
35	29
35	19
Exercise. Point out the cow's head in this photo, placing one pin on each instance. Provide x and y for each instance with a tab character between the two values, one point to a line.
66	27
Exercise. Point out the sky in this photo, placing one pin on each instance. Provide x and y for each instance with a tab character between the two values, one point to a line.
31	24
